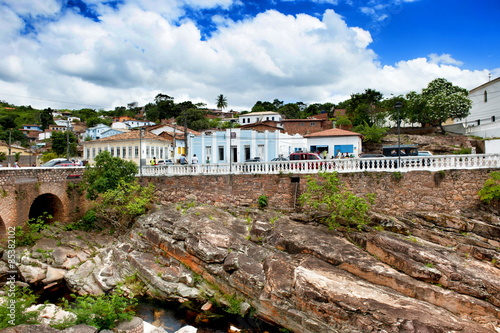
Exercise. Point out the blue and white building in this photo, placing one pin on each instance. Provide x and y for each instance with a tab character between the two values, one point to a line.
237	145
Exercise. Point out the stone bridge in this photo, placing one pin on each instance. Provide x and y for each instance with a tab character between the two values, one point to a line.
28	192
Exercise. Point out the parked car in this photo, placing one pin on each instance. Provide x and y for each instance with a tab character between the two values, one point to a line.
65	165
255	159
300	156
426	161
54	162
372	163
280	159
424	153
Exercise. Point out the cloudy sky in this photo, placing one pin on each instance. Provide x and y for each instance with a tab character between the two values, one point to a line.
106	53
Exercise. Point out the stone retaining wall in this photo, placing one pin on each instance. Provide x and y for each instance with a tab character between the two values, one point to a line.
445	191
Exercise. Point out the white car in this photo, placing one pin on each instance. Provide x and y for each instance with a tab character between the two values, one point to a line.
424	153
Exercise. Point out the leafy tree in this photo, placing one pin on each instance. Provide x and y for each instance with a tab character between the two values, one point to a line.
221	102
290	111
152	112
277	103
194	119
107	173
363	107
7	122
15	136
263	106
47	156
331	202
119	206
46	118
165	105
343	121
3	156
86	114
94	121
60	143
440	101
371	134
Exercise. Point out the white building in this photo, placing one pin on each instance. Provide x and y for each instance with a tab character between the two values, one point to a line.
258	117
333	141
237	145
134	146
484	118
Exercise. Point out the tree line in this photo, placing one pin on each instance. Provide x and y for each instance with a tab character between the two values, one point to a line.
366	112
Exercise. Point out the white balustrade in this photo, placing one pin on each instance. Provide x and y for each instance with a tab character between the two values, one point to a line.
387	164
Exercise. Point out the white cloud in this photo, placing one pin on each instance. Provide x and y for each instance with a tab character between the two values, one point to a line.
446	59
140	49
34	8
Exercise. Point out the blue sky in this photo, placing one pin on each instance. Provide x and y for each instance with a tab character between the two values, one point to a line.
102	54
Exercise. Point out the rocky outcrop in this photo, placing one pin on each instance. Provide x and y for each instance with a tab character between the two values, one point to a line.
415	276
411	272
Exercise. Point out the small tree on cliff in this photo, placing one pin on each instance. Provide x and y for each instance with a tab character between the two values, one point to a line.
107	173
490	193
118	196
330	202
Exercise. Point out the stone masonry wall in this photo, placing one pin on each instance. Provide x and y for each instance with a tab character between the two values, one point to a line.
20	187
446	191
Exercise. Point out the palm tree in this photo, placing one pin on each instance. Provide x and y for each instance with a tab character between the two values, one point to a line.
221	102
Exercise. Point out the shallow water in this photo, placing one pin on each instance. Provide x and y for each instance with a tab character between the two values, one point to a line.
172	316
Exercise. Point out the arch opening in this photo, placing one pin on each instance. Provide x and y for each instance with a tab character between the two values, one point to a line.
47	204
3	230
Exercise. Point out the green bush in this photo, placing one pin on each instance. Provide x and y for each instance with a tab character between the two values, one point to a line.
119	206
86	223
263	201
30	232
13	309
463	151
491	188
103	311
333	203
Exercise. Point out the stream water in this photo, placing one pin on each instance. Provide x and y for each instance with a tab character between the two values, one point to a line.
172	316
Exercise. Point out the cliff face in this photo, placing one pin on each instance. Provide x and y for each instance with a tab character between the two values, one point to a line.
410	272
419	272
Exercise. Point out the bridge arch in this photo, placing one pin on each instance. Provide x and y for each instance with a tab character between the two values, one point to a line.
3	230
47	203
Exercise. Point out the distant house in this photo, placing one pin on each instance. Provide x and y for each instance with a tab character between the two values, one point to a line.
134	146
256	117
172	130
66	123
58	128
306	126
95	133
264	126
332	141
32	128
238	145
111	132
484	118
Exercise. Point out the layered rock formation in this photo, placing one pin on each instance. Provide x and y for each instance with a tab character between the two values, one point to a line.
415	272
423	273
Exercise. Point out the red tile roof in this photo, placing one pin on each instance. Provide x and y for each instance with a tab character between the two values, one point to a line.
132	135
332	132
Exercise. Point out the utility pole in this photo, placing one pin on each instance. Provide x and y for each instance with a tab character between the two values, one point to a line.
10	142
186	135
67	141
